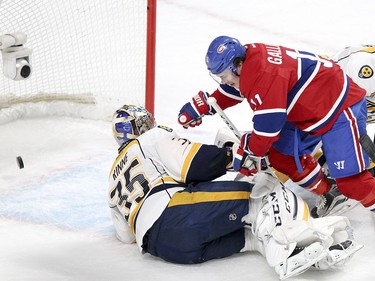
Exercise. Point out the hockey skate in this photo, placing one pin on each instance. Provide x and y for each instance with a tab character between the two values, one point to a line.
338	255
332	203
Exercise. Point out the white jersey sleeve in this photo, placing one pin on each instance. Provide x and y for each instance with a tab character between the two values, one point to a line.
359	64
183	160
173	152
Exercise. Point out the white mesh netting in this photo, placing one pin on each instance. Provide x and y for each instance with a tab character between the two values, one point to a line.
91	53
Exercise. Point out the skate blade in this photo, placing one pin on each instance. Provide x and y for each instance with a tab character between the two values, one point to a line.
343	207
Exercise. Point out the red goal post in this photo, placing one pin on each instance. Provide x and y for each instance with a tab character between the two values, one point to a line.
89	57
150	56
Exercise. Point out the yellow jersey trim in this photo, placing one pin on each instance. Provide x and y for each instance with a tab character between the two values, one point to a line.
187	198
185	167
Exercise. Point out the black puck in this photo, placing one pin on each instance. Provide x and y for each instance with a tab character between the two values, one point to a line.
20	162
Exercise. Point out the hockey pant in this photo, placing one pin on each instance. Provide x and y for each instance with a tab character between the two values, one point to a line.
201	223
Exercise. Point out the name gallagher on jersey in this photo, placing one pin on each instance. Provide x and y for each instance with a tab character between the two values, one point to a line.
275	55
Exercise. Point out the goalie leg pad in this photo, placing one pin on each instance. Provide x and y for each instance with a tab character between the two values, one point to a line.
338	227
343	248
264	183
280	231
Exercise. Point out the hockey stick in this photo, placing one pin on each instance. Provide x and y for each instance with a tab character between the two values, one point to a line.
212	101
368	146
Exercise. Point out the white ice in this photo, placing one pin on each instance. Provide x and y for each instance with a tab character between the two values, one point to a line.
54	221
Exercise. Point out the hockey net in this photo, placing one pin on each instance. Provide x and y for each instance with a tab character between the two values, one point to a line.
88	58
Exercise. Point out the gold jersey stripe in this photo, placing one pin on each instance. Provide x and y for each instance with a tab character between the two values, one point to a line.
188	159
186	198
369	49
164	180
134	214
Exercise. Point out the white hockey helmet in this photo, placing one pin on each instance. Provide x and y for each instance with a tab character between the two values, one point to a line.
130	121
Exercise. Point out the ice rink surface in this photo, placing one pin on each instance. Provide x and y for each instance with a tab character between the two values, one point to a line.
54	220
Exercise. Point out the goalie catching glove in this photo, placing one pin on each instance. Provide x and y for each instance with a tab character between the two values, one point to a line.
192	112
245	161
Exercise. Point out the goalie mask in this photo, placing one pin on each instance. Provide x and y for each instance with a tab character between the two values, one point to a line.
131	121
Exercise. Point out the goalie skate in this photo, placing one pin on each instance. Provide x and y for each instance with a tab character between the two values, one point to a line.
301	261
338	255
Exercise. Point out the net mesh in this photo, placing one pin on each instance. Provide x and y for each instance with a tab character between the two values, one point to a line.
80	49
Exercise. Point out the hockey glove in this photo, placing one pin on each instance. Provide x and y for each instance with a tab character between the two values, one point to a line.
245	161
192	112
229	161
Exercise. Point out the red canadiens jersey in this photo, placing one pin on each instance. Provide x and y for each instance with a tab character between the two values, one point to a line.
283	84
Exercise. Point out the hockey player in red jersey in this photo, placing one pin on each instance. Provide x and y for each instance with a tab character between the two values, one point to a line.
299	99
161	196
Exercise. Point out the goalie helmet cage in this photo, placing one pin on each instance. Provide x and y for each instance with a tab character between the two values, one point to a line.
89	57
